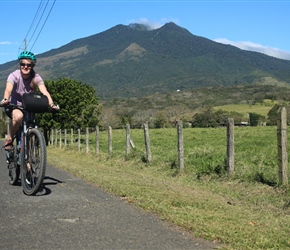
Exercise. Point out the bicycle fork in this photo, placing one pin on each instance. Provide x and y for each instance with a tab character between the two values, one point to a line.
24	147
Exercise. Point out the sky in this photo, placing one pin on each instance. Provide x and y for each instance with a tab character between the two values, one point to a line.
254	25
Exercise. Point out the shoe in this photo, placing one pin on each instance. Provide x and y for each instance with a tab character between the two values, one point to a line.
8	144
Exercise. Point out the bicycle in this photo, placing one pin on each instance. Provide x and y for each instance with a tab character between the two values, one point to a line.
27	157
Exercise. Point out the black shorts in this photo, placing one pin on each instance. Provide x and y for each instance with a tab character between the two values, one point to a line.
8	111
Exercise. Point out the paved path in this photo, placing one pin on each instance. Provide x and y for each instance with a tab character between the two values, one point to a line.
72	214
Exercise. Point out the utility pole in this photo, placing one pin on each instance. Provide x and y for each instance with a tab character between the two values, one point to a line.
25	44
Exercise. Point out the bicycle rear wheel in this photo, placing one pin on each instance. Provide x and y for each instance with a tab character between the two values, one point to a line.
34	166
13	167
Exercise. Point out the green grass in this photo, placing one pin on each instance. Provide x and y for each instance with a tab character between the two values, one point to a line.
246	211
246	108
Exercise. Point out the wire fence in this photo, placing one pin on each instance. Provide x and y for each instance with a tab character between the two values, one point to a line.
61	138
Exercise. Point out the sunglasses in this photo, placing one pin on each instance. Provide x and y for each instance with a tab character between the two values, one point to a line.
26	64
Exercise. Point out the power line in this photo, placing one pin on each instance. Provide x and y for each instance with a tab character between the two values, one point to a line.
36	17
43	24
34	20
38	22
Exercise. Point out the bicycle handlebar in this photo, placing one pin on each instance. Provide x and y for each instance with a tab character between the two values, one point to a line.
50	109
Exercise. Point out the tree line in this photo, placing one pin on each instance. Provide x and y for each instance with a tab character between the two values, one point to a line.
78	102
80	107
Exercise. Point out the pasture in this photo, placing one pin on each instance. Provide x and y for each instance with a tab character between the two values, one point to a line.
245	211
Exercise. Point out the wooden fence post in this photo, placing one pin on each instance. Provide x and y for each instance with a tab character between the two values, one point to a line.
147	143
52	131
71	135
60	139
180	147
282	147
87	140
230	146
110	140
127	139
97	140
79	140
65	138
55	138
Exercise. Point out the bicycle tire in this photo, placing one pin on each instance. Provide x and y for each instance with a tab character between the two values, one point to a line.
33	168
13	167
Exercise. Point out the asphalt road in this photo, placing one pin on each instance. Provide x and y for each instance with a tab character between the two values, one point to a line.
72	214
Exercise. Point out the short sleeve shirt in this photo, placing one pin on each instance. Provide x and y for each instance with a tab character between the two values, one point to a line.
21	86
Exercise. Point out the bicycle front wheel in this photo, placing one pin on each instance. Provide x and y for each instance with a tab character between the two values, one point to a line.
33	165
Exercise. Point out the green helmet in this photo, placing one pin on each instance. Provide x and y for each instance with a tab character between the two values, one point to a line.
27	55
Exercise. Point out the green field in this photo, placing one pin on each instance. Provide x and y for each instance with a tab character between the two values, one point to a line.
246	108
245	211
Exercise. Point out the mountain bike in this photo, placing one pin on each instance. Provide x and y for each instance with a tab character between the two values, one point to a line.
27	157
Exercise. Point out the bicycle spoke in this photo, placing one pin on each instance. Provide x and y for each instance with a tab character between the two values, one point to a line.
35	162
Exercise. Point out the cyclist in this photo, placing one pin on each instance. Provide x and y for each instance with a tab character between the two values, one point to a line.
20	81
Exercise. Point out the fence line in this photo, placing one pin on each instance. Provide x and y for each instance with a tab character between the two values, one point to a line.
230	146
79	140
282	147
87	140
282	144
110	140
60	139
97	140
180	147
65	138
72	136
127	139
147	143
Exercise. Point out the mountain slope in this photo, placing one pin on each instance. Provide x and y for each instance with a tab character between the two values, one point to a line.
131	61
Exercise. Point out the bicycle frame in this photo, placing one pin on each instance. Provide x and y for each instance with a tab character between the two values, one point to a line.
24	130
32	154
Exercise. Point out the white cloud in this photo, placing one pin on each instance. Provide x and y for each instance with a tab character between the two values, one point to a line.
5	43
281	54
152	25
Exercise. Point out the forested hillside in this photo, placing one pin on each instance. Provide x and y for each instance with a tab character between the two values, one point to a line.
244	99
131	61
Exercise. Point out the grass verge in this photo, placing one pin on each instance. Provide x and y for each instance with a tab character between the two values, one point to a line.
240	212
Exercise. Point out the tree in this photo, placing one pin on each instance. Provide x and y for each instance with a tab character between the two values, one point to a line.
273	115
125	116
161	120
79	106
209	118
255	119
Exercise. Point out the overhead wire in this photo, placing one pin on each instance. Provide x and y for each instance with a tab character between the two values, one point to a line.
38	23
32	23
43	24
41	6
